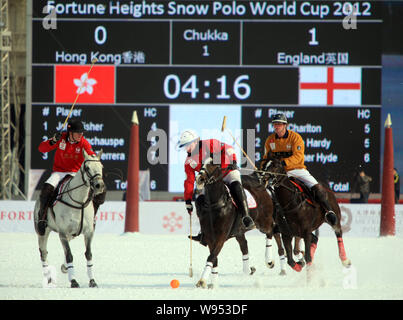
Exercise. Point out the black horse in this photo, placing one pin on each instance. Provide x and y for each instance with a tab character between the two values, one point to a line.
297	214
219	219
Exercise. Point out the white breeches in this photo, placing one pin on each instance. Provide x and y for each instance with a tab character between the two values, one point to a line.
232	176
55	177
304	176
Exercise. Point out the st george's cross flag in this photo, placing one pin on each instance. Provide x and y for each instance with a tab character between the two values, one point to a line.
73	80
332	86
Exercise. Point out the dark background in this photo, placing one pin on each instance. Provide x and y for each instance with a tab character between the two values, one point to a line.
392	80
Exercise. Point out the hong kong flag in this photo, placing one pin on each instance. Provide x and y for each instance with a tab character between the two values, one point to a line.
73	80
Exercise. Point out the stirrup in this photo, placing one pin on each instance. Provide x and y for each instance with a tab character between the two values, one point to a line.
331	218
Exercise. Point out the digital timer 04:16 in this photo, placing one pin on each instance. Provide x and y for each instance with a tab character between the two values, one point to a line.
173	87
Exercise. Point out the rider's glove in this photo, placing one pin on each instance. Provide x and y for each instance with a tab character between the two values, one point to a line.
189	206
56	137
233	166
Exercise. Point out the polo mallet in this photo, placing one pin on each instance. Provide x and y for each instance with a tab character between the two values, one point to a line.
223	127
78	93
190	267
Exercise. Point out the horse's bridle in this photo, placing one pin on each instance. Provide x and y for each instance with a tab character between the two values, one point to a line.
83	172
86	171
270	178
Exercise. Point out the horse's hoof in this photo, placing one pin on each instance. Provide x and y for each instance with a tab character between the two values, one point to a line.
211	286
270	264
74	284
346	263
93	284
63	268
201	284
252	270
282	273
302	262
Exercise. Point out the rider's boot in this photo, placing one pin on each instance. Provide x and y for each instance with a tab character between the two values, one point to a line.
199	238
238	193
320	195
45	196
199	203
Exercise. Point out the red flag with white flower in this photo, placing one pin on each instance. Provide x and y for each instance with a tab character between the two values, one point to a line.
73	80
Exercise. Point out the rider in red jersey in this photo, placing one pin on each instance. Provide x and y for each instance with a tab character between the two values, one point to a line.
198	151
67	161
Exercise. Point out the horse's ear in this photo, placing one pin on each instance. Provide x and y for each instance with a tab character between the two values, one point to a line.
100	154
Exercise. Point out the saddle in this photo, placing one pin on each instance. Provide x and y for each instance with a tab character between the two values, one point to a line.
252	204
310	197
57	194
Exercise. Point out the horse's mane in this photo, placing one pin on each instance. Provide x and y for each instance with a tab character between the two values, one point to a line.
251	181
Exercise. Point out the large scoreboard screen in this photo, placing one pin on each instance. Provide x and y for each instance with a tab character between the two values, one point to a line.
186	64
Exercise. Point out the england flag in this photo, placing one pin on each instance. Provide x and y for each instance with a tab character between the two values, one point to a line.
330	86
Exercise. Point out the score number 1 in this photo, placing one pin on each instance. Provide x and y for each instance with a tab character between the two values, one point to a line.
313	41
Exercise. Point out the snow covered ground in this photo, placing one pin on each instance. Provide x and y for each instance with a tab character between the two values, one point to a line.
140	267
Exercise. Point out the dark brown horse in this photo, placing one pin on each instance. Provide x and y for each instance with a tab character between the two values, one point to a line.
297	215
219	219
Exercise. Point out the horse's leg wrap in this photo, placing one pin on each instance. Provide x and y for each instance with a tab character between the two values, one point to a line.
207	271
297	267
342	251
89	270
45	269
245	264
313	249
299	256
70	271
282	264
269	253
214	277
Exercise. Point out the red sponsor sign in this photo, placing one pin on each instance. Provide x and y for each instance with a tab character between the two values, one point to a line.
73	80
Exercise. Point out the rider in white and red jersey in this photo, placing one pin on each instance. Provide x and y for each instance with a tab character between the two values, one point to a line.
198	151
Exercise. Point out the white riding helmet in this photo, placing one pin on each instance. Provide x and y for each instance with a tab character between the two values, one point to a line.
187	137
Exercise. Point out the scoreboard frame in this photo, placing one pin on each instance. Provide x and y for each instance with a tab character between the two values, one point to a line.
219	56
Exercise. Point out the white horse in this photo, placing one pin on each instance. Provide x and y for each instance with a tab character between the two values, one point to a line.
71	215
